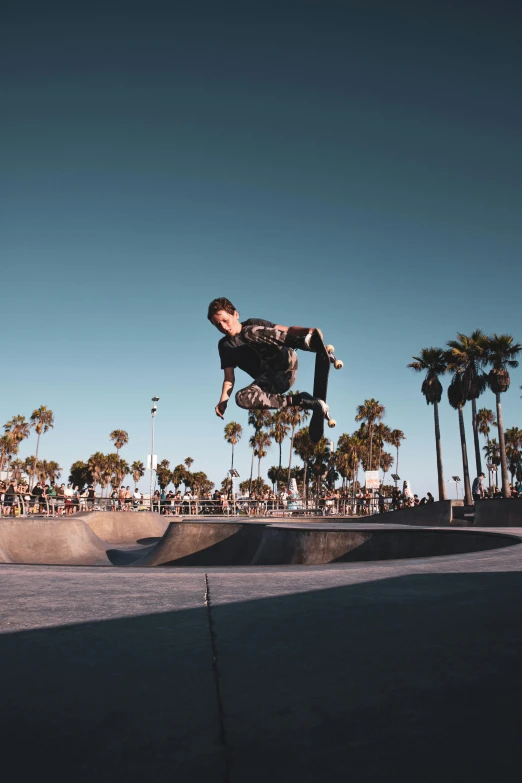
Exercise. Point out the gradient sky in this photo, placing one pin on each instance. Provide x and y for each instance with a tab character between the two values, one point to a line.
353	166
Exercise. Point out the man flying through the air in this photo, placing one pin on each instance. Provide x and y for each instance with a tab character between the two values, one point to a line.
266	352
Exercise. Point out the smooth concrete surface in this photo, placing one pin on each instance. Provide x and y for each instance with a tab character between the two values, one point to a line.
498	512
229	542
394	671
124	527
61	541
438	514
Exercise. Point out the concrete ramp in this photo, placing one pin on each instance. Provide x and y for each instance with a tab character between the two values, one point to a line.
126	527
288	545
202	544
63	541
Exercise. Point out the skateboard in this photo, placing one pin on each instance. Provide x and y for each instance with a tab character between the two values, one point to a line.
323	359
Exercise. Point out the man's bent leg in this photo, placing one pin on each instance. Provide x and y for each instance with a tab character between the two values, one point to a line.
268	390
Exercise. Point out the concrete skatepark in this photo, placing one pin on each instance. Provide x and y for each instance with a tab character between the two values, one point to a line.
370	651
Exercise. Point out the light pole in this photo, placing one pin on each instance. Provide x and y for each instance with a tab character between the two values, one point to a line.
456	479
152	465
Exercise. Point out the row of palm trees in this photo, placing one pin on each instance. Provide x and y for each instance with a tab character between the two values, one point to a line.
364	447
476	362
17	430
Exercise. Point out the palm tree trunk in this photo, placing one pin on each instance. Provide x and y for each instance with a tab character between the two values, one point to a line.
465	467
232	466
370	450
397	463
279	468
251	473
476	437
305	482
506	493
438	446
35	462
258	469
290	460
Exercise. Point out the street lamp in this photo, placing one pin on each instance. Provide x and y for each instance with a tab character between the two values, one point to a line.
396	478
152	460
456	479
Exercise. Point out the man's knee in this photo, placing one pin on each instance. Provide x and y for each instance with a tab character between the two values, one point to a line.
243	399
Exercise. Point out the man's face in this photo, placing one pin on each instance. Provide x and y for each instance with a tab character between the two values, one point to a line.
227	323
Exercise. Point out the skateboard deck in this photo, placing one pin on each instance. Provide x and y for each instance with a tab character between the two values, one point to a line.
323	359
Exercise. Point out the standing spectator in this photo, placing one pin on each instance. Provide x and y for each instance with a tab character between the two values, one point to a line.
76	498
68	494
37	497
128	499
51	497
380	502
9	499
121	498
91	497
430	498
477	489
136	498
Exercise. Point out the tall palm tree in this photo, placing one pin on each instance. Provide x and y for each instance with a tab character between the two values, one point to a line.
96	466
294	417
354	447
138	471
120	438
164	473
485	420
468	354
42	420
385	464
188	462
501	357
256	419
19	427
370	412
457	400
233	432
381	435
304	448
513	438
432	362
29	466
263	442
396	436
54	471
279	429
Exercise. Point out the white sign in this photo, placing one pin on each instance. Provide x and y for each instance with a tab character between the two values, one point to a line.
371	478
154	462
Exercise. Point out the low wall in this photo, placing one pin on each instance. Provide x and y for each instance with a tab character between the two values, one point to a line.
498	512
438	514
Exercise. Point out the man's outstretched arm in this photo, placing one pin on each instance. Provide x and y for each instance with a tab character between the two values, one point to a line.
228	385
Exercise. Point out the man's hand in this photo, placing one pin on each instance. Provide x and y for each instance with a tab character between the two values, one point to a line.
221	408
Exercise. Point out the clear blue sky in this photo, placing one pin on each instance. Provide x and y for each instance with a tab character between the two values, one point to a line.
351	166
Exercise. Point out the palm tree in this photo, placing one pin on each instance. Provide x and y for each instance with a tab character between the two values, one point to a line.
304	448
381	435
120	438
42	419
370	412
432	362
485	418
257	419
96	465
492	452
108	471
457	400
29	466
513	438
354	447
188	462
396	436
19	427
233	432
79	474
279	429
17	469
501	356
385	464
54	471
178	475
263	441
468	354
8	447
138	471
294	417
164	473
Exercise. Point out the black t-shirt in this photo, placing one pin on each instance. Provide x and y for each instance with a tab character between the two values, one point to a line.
252	358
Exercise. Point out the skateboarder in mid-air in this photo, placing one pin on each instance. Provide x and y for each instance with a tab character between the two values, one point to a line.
266	352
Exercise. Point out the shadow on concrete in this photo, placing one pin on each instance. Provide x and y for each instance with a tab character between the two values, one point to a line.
403	679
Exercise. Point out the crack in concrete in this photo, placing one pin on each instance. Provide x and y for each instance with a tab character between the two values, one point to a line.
219	699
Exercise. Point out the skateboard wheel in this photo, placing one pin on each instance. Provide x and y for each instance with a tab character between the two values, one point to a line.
330	349
338	364
332	422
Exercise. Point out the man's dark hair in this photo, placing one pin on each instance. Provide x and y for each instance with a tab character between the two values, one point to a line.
220	304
